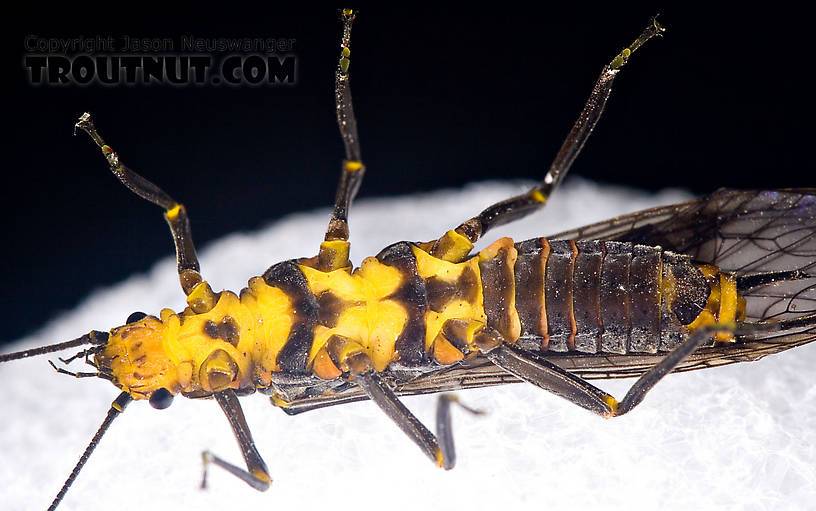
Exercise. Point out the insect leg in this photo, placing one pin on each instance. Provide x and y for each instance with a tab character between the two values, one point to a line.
353	168
449	246
533	368
256	475
334	250
361	372
384	397
174	214
444	427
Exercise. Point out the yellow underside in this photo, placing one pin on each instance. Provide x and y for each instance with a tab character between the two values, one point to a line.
170	352
372	318
429	266
176	351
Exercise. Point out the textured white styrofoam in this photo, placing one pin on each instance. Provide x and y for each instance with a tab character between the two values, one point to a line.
738	437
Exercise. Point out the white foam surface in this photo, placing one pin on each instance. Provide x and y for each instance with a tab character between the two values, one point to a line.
738	437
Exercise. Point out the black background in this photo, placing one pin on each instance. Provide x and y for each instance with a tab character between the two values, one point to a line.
443	97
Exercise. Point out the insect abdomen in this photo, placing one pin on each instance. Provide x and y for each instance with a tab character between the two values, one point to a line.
605	296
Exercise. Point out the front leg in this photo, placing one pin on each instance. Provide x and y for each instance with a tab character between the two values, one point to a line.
200	296
256	475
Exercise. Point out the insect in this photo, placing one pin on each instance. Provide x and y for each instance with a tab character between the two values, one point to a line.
774	274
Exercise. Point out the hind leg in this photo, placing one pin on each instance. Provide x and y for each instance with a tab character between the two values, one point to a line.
455	244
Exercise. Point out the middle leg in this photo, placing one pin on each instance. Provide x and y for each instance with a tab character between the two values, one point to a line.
348	358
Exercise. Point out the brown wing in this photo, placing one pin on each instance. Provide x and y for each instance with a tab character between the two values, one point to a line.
739	231
744	232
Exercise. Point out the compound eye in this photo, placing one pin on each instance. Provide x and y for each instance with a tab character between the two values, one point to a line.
136	316
161	399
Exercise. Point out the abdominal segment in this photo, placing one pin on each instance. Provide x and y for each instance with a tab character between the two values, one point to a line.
605	296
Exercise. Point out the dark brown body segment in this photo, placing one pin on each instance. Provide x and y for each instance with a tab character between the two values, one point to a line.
604	296
558	299
294	355
615	296
644	282
413	296
671	330
529	275
685	299
587	295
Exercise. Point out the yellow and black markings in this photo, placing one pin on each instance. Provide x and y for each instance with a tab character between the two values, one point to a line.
317	328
